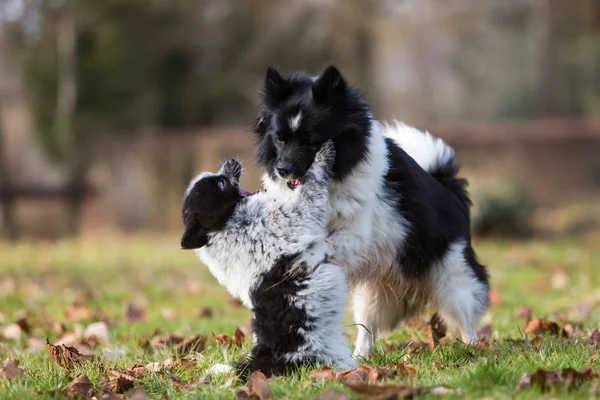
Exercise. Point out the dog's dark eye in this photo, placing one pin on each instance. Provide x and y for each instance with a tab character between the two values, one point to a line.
222	183
279	140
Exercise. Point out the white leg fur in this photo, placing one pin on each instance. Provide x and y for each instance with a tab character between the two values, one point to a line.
457	294
377	308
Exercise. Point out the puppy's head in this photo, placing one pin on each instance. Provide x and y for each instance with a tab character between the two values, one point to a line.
209	201
299	113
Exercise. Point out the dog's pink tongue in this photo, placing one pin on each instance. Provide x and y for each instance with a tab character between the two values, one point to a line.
295	182
245	192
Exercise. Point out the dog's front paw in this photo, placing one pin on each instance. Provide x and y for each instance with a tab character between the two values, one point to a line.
220	369
326	155
309	260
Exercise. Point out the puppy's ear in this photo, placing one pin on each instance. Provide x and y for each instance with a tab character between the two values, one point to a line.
329	86
193	237
276	88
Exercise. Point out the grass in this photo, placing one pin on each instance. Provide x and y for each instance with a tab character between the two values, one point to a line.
41	280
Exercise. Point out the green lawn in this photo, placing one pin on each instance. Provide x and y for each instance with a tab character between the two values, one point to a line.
559	280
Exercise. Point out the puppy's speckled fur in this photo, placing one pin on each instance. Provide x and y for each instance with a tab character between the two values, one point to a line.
250	248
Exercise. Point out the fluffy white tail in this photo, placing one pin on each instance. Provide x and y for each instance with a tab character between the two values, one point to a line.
431	153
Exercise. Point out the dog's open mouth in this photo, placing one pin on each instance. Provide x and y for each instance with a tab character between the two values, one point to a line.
245	192
293	184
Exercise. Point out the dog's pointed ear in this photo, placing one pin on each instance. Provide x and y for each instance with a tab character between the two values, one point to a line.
194	236
276	88
329	85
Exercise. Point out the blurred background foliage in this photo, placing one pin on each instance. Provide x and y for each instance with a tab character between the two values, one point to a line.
94	77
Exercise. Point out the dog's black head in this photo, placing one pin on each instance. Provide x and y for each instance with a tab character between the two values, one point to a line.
299	113
209	202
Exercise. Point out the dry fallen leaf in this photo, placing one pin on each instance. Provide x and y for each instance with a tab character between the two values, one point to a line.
360	374
119	382
65	356
594	338
435	331
526	313
258	388
76	314
134	314
322	375
537	341
80	387
540	325
239	337
205	312
331	395
495	297
592	358
191	344
10	369
406	369
568	378
485	332
24	325
384	391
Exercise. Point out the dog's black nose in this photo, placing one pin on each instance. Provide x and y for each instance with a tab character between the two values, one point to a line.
284	169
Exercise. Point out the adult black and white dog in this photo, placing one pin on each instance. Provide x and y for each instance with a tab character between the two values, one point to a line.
399	223
249	244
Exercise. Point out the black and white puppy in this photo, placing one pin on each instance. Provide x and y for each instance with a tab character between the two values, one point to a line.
249	243
399	224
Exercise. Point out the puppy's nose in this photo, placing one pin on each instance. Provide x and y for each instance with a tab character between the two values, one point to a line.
284	169
231	162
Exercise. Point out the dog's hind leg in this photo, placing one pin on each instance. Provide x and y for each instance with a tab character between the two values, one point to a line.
377	308
460	291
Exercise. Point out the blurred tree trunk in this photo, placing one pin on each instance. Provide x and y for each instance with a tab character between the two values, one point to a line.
9	225
75	162
548	88
6	191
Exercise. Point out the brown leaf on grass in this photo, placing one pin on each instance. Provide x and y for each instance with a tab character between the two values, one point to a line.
258	388
540	325
76	314
594	338
134	314
526	313
329	394
80	387
406	369
398	391
238	337
191	385
592	358
485	333
495	297
413	346
383	391
435	331
24	325
360	374
10	369
204	312
537	341
191	344
226	341
119	382
568	378
66	356
322	375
